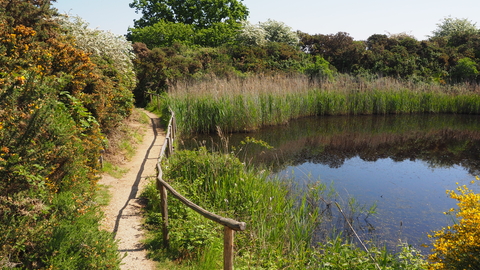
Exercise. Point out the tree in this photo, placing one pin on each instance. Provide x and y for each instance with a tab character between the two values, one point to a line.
199	13
252	34
114	49
111	92
279	32
449	27
192	22
465	69
269	31
340	50
163	33
387	56
319	69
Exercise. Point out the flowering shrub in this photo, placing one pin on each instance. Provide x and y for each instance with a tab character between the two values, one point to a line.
457	246
112	79
103	44
279	32
269	31
55	99
252	35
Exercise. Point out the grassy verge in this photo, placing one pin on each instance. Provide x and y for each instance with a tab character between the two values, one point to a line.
280	218
122	143
247	104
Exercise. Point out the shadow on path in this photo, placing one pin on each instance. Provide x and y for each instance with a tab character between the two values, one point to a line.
134	190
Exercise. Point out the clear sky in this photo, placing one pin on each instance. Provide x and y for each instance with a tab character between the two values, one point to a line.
360	19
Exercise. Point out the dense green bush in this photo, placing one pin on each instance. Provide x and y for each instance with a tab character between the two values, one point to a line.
56	100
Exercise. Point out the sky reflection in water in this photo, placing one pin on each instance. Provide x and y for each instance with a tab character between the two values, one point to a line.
410	195
403	163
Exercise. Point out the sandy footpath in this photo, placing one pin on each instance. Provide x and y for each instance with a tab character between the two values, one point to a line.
123	214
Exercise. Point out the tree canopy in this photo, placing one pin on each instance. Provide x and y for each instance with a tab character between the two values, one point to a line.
449	27
192	22
199	13
269	31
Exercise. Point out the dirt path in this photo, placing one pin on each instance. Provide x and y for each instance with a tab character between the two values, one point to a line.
123	214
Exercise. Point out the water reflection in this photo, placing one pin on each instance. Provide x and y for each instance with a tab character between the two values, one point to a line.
403	163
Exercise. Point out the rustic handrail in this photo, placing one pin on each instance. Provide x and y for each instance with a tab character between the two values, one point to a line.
230	225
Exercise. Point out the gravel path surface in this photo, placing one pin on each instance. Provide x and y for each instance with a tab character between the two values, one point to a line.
123	215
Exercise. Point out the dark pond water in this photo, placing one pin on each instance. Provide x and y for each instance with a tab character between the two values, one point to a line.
399	164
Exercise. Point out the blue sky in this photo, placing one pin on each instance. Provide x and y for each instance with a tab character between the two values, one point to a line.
360	19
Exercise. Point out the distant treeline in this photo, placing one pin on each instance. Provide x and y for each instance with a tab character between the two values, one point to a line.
443	59
172	51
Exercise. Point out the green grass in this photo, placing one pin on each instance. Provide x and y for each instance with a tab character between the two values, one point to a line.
114	170
127	147
102	196
122	144
143	118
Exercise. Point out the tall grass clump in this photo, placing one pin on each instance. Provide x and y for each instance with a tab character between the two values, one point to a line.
281	220
278	226
244	104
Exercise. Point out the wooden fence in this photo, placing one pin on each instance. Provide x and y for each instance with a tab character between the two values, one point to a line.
230	225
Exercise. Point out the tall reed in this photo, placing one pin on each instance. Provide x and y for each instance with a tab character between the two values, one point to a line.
244	104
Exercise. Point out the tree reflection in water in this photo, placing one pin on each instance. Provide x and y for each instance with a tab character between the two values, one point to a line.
403	163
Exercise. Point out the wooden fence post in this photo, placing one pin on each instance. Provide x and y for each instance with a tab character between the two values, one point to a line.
228	248
170	141
163	206
167	148
164	210
174	128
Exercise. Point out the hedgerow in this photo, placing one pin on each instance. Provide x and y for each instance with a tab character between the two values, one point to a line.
56	103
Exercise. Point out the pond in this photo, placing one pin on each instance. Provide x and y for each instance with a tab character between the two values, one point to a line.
397	166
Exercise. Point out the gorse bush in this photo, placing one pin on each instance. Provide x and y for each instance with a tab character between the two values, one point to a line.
111	79
56	101
457	246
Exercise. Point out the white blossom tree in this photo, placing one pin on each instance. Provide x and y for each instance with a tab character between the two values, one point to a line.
451	26
279	32
269	31
115	49
252	34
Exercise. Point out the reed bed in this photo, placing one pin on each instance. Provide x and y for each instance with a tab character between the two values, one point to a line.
245	104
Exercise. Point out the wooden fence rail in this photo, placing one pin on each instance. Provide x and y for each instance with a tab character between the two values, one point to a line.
230	225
